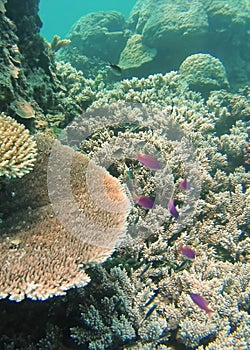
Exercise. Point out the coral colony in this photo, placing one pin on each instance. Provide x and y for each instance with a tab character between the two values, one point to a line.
132	232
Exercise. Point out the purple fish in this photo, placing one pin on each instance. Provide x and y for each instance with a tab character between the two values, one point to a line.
185	184
144	201
187	251
201	302
148	161
172	209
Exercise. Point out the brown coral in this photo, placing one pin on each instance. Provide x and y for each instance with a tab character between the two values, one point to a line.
18	148
39	256
58	43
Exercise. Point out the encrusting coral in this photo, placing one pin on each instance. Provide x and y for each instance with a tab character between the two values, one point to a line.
49	234
18	148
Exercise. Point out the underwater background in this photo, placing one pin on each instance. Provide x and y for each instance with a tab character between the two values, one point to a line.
59	16
124	175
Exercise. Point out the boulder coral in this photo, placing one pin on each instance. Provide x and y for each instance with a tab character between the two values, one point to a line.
163	23
136	54
101	34
204	73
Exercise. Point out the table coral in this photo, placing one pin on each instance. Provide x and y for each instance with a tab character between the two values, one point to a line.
48	234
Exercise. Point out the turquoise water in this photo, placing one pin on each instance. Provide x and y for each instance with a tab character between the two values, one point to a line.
146	246
58	16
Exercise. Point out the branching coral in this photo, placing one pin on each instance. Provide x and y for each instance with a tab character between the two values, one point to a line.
18	148
214	215
124	315
58	43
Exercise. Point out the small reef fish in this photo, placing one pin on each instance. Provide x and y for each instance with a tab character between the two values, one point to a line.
115	69
187	251
148	161
172	209
185	184
144	201
201	302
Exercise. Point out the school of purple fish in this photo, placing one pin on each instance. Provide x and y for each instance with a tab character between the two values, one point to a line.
146	202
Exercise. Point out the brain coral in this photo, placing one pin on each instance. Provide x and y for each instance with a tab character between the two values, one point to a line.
39	256
18	148
204	73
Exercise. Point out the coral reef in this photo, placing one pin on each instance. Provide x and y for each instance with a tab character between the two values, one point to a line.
151	302
18	148
48	234
29	83
178	29
62	226
161	35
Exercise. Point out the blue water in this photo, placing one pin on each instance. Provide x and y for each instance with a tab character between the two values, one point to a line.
59	15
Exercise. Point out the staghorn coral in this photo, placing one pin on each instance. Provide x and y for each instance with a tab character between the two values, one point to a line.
18	148
49	234
122	315
228	107
207	123
246	152
238	338
215	221
156	90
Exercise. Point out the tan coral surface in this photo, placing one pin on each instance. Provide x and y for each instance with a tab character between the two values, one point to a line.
18	148
43	253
